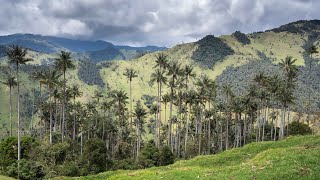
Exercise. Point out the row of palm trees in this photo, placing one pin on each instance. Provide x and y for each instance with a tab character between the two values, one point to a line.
198	122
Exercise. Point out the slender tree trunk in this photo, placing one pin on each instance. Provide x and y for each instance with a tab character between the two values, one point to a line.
170	124
81	145
63	105
74	119
10	89
275	127
186	135
130	104
18	111
50	108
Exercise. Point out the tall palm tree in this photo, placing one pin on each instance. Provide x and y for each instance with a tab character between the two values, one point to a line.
140	113
105	106
75	92
17	56
161	64
174	70
286	96
229	96
63	63
10	82
312	50
159	77
130	74
165	101
120	100
51	79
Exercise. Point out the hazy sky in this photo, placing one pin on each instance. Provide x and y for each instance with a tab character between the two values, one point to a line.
149	22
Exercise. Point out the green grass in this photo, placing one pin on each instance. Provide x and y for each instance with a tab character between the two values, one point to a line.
293	158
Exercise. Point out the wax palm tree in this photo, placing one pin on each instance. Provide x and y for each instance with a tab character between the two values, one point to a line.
226	89
159	77
105	106
51	79
63	63
130	74
17	56
161	61
75	92
120	100
165	101
10	82
188	73
174	70
140	113
290	70
97	95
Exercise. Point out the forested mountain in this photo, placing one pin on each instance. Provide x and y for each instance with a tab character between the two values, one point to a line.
137	108
93	50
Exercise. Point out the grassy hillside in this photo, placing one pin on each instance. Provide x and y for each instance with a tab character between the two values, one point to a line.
276	45
293	158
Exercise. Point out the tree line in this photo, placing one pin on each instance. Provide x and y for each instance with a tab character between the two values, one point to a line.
187	118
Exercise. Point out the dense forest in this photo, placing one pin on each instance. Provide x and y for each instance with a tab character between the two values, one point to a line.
202	116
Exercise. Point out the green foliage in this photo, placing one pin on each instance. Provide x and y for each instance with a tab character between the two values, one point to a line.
210	51
70	168
166	157
241	37
9	151
95	155
28	170
88	72
149	155
298	128
58	152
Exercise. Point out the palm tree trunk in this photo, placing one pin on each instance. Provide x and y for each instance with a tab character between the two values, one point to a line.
159	123
63	105
130	104
10	89
170	124
186	135
50	109
18	111
74	119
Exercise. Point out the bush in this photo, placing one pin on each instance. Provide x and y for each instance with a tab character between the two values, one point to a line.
166	156
70	168
297	128
95	155
27	170
149	155
9	149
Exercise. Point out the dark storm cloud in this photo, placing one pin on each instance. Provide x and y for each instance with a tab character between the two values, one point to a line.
141	22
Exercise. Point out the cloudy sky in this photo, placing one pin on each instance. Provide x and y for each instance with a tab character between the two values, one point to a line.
149	22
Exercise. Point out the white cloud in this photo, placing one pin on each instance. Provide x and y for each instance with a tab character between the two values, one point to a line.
142	22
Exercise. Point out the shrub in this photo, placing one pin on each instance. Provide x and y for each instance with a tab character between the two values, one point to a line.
149	155
95	154
9	149
27	170
70	168
166	156
297	128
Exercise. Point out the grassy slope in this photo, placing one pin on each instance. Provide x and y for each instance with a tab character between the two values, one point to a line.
280	44
293	158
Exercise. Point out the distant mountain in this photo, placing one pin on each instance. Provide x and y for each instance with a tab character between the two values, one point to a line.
97	50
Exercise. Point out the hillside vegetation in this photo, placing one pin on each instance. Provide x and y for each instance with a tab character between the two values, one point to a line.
292	158
194	99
